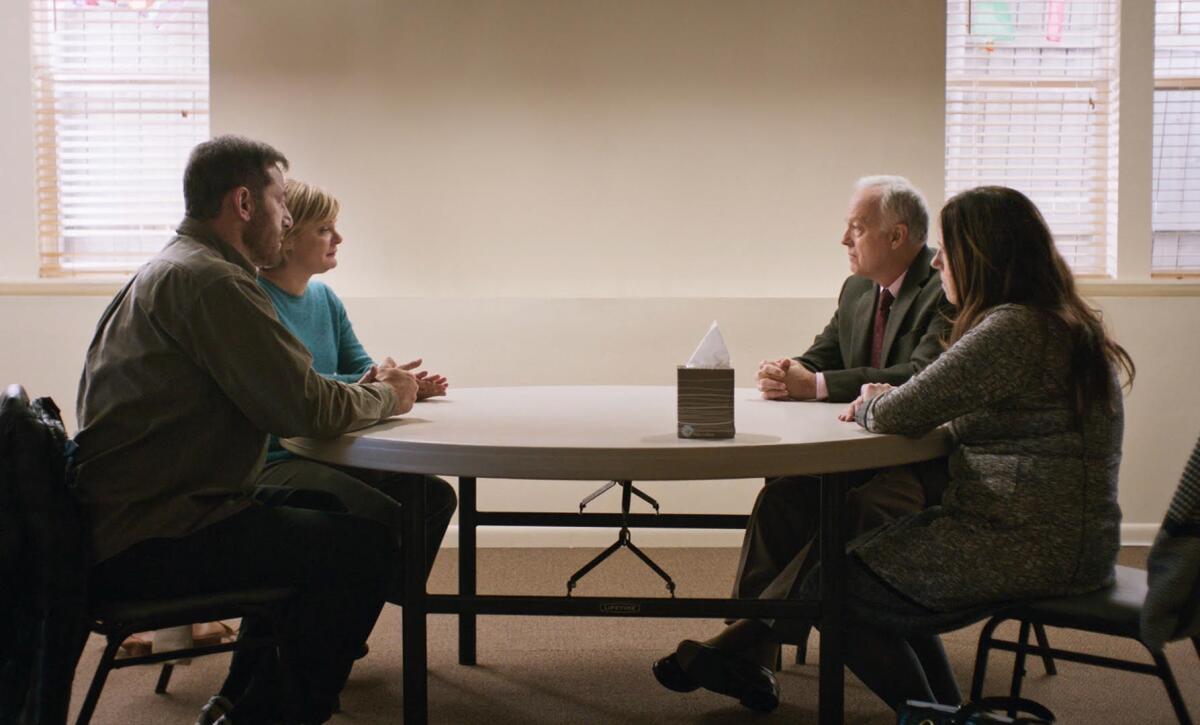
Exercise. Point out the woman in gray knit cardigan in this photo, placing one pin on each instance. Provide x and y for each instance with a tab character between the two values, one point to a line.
1028	386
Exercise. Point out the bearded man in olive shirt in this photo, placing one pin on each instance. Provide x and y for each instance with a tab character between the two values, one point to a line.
187	373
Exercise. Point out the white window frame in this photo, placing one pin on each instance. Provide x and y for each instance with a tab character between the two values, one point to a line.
120	96
1021	98
1175	218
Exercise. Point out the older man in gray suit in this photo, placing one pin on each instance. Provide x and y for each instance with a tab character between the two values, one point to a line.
889	323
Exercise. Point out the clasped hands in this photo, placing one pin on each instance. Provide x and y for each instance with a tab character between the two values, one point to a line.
786	379
409	386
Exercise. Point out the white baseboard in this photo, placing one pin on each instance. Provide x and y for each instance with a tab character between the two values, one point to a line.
1138	534
566	537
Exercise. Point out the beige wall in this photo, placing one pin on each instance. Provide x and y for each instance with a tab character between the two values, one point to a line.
557	192
621	148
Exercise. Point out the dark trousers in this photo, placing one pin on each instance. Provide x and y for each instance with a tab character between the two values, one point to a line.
374	495
343	566
781	538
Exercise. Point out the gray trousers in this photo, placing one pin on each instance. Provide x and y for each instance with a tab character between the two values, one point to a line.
374	495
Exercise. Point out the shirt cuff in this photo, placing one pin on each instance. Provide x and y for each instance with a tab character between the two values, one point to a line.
822	391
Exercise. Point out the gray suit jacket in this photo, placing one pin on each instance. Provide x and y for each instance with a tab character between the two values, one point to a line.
912	340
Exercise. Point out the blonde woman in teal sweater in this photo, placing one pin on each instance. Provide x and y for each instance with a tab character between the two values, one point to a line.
315	315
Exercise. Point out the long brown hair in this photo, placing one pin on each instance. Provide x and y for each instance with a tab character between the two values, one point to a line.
999	250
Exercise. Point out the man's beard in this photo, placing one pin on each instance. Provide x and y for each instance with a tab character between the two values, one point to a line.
263	241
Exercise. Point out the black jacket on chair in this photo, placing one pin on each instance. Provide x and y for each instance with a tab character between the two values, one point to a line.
43	565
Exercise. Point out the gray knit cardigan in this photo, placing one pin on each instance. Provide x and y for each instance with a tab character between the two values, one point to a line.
1031	510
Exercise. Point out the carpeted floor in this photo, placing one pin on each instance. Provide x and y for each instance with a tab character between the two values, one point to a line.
568	670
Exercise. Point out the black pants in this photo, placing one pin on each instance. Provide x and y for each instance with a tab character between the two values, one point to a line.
374	495
342	565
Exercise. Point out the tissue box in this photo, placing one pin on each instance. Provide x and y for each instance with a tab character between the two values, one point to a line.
705	402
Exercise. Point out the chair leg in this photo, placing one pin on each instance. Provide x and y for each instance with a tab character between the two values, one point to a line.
1019	663
1196	644
802	647
164	678
102	670
1168	680
982	651
1047	660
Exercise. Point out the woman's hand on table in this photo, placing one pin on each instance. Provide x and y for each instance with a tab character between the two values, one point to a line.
847	415
868	392
430	386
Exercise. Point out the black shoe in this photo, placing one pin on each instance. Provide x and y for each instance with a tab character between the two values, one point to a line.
750	684
362	652
216	709
671	676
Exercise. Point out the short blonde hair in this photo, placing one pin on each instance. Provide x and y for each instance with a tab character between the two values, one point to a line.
308	205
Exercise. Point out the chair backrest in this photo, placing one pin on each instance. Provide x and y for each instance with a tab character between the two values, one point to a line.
43	622
1172	608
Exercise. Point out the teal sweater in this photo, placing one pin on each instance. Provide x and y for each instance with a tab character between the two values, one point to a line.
318	319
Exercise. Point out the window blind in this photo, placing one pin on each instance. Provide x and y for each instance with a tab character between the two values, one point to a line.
120	98
1031	103
1176	215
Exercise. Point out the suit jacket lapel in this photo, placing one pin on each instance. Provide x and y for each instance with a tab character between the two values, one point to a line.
918	273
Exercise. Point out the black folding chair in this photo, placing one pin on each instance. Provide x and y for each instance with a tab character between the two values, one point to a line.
45	547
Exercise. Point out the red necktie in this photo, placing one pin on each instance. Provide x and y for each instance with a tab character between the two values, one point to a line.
881	317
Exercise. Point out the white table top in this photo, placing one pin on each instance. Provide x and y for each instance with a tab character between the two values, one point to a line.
612	432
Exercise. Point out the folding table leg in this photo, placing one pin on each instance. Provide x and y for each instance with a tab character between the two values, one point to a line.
831	703
466	567
415	646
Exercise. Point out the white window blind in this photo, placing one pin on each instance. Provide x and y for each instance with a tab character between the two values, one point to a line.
1031	103
120	98
1176	217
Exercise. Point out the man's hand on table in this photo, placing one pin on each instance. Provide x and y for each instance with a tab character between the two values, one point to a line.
786	379
428	386
404	383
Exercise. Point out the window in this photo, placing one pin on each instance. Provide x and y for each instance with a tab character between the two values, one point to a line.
120	98
1031	103
1176	214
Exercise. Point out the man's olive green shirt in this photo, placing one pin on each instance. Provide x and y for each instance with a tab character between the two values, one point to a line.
188	372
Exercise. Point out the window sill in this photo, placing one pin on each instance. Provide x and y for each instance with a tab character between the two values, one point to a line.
60	287
108	286
1154	288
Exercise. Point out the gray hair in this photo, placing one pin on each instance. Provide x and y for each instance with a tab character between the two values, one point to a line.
901	202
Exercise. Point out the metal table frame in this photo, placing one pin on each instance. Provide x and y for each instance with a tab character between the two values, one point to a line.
468	604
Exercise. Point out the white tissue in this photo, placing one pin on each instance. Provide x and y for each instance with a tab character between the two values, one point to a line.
711	352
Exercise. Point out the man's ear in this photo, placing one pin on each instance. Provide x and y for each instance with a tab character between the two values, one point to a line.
243	203
899	235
